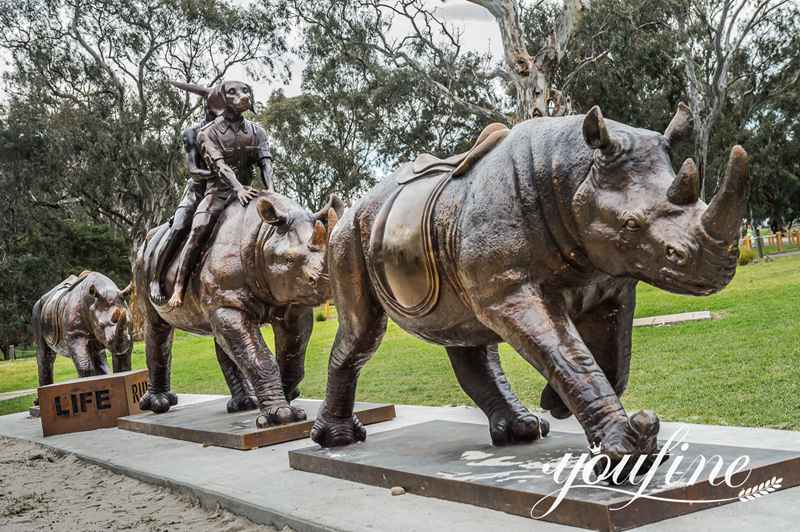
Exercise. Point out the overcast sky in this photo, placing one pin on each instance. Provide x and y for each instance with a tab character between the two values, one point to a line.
479	33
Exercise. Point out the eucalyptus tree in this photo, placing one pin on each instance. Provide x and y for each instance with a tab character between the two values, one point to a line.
95	74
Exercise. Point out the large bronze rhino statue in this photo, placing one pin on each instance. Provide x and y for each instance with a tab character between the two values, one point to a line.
539	243
265	263
81	318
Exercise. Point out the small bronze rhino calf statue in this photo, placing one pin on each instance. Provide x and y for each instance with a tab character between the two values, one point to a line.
540	243
265	263
81	318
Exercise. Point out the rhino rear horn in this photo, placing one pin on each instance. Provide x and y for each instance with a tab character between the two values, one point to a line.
318	237
724	215
680	125
595	132
333	203
333	218
685	189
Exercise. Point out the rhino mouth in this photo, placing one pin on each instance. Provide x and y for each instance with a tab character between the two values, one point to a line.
694	283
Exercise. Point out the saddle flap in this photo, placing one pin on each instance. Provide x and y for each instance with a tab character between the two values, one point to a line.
402	261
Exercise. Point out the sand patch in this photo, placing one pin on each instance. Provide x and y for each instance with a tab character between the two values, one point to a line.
40	490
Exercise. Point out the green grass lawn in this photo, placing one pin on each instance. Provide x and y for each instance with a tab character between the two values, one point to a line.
740	369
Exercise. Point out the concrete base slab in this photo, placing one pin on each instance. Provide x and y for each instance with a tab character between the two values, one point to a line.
453	461
210	423
260	485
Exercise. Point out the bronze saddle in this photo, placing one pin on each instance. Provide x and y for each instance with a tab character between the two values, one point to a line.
51	308
403	266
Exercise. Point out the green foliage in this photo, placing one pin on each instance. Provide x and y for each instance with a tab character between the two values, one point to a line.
320	316
746	256
94	96
90	151
20	404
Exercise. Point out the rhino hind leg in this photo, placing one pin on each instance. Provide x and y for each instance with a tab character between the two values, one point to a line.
158	349
243	397
551	401
480	375
45	359
291	340
362	324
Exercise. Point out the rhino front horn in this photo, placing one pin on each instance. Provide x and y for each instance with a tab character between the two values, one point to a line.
680	125
724	215
595	132
118	316
685	189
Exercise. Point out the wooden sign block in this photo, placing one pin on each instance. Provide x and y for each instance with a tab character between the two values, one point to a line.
91	403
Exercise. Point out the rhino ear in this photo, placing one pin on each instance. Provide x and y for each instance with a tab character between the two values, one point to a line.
595	132
271	210
126	292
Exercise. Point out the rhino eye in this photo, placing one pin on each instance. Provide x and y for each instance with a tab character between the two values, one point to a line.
632	224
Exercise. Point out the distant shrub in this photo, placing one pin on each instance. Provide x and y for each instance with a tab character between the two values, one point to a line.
320	316
746	256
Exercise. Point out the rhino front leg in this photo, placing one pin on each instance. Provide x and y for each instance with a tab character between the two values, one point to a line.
100	361
540	330
243	396
83	357
292	334
479	373
606	330
238	335
158	349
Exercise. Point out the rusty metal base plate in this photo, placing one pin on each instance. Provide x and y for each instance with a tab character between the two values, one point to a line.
454	461
209	423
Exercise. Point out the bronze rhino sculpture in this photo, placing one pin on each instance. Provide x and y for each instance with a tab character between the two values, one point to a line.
81	318
539	243
264	263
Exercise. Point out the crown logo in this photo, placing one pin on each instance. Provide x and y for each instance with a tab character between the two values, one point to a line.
596	448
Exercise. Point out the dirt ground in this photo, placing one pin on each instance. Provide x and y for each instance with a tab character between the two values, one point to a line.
40	490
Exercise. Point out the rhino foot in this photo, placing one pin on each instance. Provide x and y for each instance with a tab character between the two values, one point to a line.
508	428
331	431
242	403
636	437
158	403
279	415
299	413
551	401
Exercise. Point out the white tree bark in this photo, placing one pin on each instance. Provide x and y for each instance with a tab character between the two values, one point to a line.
531	73
714	31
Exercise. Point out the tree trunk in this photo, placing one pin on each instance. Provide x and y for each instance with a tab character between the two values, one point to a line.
531	76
